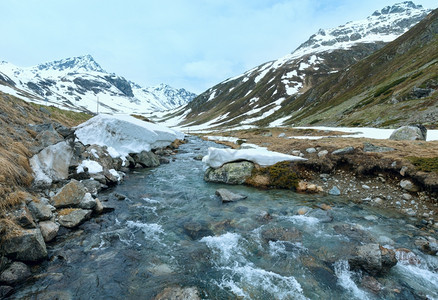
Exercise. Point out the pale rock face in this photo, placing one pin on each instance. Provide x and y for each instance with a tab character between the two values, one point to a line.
52	163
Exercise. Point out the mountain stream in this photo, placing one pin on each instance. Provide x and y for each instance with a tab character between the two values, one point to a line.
172	230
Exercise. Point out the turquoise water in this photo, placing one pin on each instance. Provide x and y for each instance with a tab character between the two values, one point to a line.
173	231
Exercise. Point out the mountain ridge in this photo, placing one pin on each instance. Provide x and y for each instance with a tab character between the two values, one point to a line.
78	83
248	98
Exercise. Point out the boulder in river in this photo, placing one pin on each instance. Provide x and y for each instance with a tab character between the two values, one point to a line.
146	159
231	173
228	196
409	133
180	293
373	259
281	234
24	245
17	272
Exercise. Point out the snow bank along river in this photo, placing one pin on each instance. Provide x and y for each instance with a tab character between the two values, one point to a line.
172	230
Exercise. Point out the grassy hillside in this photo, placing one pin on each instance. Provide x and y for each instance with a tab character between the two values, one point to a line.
394	86
16	140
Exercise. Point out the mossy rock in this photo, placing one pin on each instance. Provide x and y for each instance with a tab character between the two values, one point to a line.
282	175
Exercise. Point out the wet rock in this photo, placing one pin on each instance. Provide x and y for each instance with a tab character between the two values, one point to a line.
70	195
334	191
178	293
5	291
99	209
324	206
230	173
343	151
164	160
264	217
354	233
23	217
49	230
119	196
112	177
24	245
241	210
428	245
40	211
92	186
408	186
303	210
4	263
198	157
146	159
368	147
409	133
228	196
17	272
371	283
373	259
281	234
71	218
322	215
406	256
88	202
196	230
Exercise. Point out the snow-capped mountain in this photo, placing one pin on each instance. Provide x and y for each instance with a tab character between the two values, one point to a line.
251	98
80	83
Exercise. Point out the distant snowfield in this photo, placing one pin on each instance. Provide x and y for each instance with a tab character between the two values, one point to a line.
350	132
364	132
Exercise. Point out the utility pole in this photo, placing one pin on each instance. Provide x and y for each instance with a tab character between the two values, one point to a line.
97	110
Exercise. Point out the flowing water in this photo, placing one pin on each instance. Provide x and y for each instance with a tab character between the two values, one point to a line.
173	231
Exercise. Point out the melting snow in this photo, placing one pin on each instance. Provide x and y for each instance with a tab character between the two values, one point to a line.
217	157
125	134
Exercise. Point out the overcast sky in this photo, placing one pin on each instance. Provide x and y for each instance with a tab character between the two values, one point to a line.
192	44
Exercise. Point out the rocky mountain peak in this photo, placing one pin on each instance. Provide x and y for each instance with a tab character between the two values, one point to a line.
382	26
398	8
85	63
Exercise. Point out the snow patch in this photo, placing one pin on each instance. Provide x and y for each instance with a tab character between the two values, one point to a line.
125	134
217	157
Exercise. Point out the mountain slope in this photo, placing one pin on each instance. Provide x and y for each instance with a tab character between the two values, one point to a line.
79	82
396	85
263	91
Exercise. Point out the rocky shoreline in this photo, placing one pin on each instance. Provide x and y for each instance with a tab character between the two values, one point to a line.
65	200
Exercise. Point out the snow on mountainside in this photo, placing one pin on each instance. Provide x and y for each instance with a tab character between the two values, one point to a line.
80	83
251	97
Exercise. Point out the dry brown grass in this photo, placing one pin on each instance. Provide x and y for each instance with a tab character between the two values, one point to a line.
403	149
15	141
66	211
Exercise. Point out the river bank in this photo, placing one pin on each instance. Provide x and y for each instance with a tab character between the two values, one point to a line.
170	234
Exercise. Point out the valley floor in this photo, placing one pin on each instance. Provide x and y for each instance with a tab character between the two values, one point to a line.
368	175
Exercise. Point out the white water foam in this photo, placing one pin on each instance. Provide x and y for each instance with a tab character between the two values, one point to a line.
151	201
151	231
243	278
419	278
342	271
301	219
